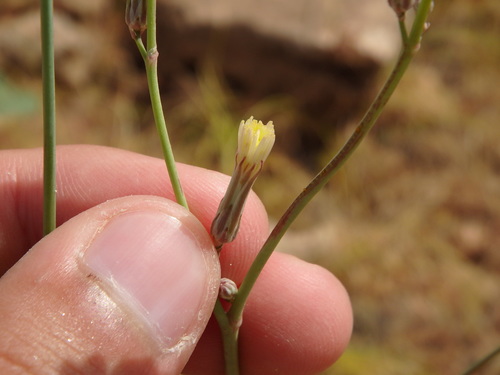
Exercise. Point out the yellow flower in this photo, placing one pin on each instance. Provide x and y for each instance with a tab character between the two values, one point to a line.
255	141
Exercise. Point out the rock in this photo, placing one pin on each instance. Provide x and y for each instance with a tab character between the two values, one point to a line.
369	27
82	47
322	57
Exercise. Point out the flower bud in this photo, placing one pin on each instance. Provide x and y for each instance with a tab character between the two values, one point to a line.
135	17
228	289
255	141
401	6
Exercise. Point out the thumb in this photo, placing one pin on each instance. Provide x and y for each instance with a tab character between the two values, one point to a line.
126	287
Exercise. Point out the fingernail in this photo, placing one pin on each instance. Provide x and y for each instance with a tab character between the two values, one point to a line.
156	264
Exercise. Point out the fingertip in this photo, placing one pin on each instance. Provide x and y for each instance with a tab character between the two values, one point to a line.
85	181
298	318
134	278
298	321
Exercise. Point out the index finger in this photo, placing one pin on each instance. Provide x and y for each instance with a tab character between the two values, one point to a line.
89	175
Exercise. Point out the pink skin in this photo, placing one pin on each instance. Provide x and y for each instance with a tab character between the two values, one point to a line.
298	319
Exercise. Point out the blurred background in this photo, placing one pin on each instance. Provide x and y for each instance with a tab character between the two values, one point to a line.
411	224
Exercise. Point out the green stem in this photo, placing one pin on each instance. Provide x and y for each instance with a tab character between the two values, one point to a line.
49	117
402	30
482	362
142	49
150	56
409	49
229	340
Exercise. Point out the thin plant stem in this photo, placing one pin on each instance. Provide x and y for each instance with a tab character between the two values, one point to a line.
150	57
482	362
49	117
229	339
402	30
141	47
367	122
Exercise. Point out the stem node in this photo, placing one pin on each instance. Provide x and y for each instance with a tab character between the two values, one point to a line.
153	55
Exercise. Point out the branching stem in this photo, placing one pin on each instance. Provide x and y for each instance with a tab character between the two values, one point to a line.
410	46
229	339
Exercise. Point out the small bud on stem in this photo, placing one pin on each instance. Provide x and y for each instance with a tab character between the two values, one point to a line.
135	17
228	289
401	7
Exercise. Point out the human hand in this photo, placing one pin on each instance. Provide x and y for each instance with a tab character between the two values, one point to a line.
127	282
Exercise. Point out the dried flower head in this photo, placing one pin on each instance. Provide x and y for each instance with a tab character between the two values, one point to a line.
255	141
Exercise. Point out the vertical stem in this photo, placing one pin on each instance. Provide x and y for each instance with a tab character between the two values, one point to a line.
151	63
49	120
229	340
151	24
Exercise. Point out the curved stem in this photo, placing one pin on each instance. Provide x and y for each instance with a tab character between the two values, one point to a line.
150	57
409	49
49	117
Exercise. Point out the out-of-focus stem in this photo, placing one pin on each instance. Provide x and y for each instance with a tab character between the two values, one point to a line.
49	117
402	30
482	362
